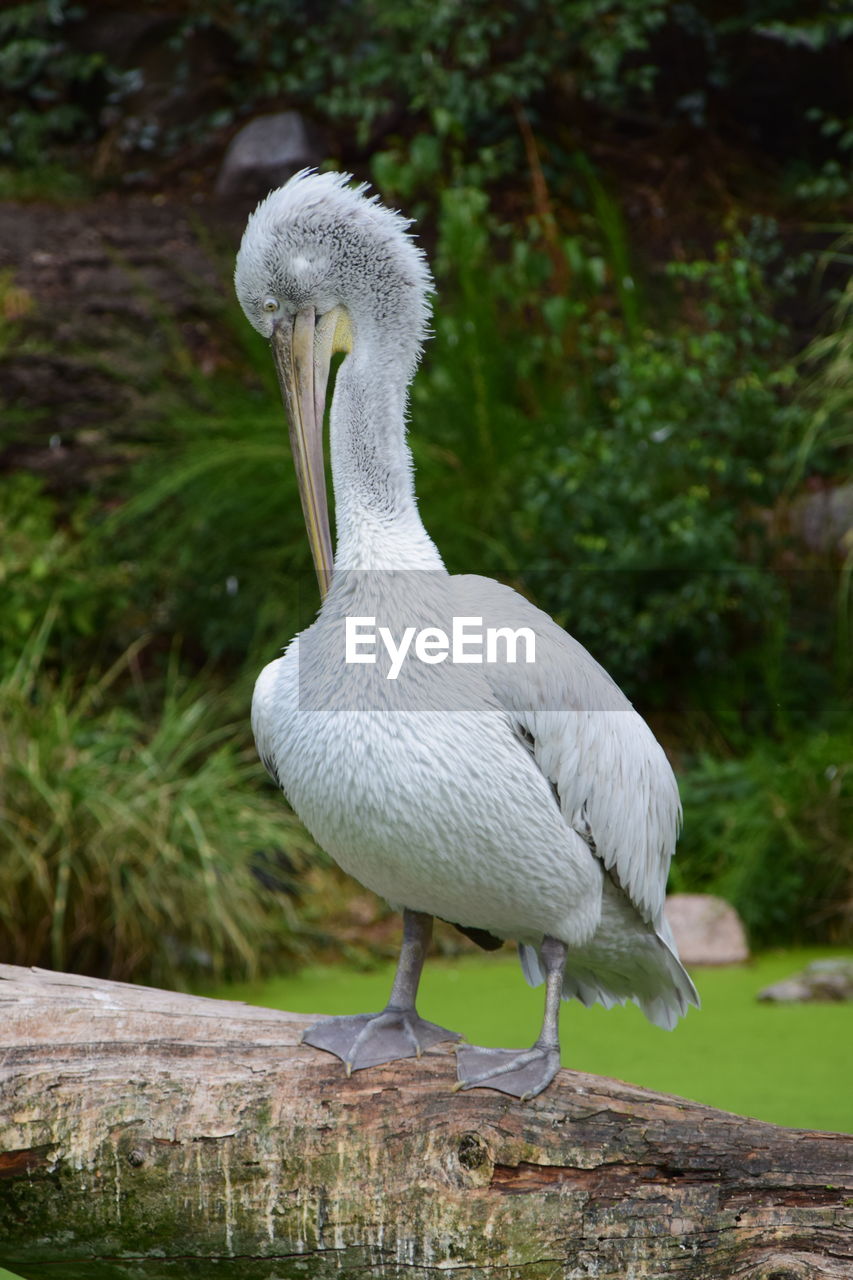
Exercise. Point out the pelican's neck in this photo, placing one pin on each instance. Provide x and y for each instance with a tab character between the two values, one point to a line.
376	512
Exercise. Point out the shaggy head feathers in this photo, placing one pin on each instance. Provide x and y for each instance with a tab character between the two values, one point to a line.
319	242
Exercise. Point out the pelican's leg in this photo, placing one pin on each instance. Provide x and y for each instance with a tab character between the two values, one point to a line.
368	1039
522	1072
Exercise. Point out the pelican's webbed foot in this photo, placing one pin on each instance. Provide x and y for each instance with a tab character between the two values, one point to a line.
523	1073
368	1039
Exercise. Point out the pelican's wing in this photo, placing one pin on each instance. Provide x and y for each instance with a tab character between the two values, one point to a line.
613	781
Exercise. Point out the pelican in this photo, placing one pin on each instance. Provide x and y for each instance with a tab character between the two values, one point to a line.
520	800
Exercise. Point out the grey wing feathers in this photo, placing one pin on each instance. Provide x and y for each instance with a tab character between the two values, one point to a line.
614	783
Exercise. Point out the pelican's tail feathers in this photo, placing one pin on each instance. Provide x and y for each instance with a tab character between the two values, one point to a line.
530	965
672	1003
648	972
579	981
640	964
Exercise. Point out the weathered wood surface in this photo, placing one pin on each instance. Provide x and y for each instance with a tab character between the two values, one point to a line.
146	1135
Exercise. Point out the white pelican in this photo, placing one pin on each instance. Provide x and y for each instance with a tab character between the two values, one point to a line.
518	800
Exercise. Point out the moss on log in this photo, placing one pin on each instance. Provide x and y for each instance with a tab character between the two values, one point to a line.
146	1135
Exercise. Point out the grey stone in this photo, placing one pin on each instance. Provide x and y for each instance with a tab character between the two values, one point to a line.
707	929
824	520
830	980
265	153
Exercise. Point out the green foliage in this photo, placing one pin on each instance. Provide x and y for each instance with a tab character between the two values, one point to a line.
827	443
648	513
47	82
381	75
489	398
771	833
623	473
458	71
359	64
42	561
128	832
823	27
32	555
618	440
42	181
470	429
214	510
619	469
832	182
828	392
132	812
214	526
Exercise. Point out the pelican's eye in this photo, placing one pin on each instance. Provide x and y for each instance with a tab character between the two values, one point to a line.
270	304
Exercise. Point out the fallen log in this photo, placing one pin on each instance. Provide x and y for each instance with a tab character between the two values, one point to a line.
147	1135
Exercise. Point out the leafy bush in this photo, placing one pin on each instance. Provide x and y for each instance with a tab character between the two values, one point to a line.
129	834
771	833
649	515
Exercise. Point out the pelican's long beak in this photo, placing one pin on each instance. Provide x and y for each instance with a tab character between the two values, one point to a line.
302	349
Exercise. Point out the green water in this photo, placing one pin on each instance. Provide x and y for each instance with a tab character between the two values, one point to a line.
790	1064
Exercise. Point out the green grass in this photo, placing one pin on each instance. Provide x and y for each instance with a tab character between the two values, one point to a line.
786	1064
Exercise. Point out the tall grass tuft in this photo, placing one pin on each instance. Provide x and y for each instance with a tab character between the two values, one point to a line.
129	841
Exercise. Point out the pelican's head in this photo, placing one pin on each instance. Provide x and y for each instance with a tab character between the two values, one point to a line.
323	267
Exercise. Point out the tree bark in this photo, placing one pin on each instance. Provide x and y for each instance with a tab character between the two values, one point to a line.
146	1135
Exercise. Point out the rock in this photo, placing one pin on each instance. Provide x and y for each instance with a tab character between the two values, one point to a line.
821	980
824	519
265	153
707	930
